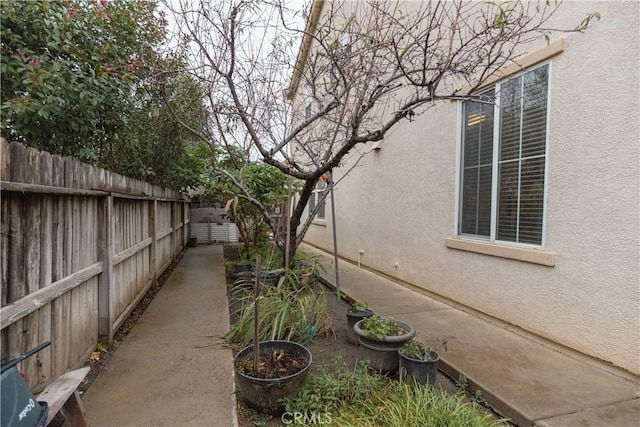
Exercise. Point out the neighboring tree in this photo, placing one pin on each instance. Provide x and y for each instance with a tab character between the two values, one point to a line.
363	68
264	183
85	79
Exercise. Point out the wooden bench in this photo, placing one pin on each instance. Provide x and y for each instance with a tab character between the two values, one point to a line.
62	396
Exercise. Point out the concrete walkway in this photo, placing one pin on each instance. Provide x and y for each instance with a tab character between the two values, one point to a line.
524	379
168	372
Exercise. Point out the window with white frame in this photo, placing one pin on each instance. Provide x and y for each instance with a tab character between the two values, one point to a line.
315	199
503	160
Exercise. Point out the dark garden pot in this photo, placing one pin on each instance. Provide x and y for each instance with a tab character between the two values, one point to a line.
354	317
383	355
269	278
414	371
241	270
264	394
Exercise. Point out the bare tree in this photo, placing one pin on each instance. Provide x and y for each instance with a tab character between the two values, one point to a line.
362	68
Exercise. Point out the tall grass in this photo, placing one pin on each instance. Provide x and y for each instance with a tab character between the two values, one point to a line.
284	314
403	405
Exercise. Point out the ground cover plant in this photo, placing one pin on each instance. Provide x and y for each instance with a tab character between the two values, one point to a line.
360	397
400	405
334	386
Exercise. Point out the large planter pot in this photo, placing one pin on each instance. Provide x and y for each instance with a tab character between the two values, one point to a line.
268	278
414	371
264	394
354	317
241	270
383	355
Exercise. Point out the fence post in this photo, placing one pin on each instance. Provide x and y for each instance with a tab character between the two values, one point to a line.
105	281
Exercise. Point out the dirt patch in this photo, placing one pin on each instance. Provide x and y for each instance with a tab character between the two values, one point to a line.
276	364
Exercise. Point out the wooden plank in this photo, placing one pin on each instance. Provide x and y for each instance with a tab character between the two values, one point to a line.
4	159
17	253
185	222
17	163
17	241
153	250
140	279
32	263
58	392
74	412
164	234
32	233
23	307
59	307
131	251
143	197
92	285
74	338
172	252
106	284
131	305
20	187
4	248
46	267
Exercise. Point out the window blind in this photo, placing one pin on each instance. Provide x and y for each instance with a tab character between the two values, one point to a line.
523	126
477	167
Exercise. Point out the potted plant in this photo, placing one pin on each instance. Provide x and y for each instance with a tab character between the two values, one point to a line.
418	362
358	311
280	373
269	371
381	338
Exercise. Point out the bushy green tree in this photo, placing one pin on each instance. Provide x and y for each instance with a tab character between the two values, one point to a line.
264	184
88	79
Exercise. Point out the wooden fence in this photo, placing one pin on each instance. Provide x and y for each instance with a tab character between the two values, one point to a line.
80	246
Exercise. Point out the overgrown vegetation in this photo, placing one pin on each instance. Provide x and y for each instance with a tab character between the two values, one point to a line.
286	313
93	80
265	185
401	405
335	386
360	397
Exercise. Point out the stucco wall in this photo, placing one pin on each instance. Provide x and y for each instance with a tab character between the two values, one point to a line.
398	206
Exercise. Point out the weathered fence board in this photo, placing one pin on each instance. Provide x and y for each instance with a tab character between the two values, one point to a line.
79	247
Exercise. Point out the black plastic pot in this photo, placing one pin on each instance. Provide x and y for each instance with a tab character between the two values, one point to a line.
241	270
264	394
383	355
415	371
269	278
354	317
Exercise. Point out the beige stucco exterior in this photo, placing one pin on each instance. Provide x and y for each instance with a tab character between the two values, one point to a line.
582	289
